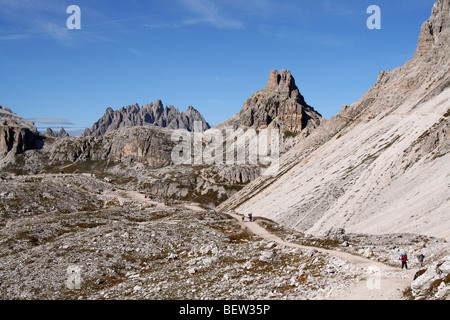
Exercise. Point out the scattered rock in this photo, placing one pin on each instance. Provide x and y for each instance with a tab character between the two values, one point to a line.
368	253
433	282
311	253
337	234
268	256
192	270
271	245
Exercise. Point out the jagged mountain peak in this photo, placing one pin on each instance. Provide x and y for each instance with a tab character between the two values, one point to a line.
279	105
61	134
282	83
150	114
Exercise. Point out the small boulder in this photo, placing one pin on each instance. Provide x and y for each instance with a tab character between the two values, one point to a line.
268	256
311	253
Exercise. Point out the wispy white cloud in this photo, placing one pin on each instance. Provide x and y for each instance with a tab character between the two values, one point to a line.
44	30
55	31
293	34
206	11
230	14
52	121
26	19
351	8
30	19
136	52
178	24
13	36
271	9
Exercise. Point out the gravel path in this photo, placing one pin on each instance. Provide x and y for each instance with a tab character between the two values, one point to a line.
387	283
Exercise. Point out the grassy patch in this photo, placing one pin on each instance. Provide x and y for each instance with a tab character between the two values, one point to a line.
290	134
241	236
407	294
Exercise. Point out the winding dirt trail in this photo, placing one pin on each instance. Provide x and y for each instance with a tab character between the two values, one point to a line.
388	283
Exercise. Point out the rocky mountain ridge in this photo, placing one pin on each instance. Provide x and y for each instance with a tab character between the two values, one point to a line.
150	114
62	133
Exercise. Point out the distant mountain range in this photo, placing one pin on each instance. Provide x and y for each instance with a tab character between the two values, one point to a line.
151	114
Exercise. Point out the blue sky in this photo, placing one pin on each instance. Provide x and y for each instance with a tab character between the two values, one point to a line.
209	54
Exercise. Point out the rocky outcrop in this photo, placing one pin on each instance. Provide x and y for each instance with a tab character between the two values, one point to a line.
280	105
435	32
337	234
17	135
16	140
150	114
151	146
208	185
61	134
433	282
282	83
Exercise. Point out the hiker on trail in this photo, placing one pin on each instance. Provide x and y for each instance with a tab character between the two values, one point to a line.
404	259
250	216
420	257
243	217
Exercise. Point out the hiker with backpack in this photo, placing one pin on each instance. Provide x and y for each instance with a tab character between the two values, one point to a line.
404	259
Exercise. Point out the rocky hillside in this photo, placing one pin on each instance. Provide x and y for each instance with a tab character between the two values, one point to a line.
149	146
76	236
140	157
380	165
150	114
